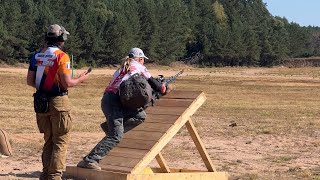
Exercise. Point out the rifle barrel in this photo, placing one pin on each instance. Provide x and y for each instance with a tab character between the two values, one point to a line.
174	77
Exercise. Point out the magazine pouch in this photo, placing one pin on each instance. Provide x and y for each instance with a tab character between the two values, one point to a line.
41	102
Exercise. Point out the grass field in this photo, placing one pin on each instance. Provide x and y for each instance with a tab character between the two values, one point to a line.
276	112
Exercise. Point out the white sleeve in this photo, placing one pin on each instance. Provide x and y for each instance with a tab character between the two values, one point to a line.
146	73
135	67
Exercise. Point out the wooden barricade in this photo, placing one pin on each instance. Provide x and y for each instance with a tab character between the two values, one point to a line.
129	160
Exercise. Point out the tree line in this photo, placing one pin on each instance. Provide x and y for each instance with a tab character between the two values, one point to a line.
203	32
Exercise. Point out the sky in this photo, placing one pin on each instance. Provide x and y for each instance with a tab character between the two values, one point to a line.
303	12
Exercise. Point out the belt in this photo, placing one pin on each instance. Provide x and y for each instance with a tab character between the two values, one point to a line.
57	94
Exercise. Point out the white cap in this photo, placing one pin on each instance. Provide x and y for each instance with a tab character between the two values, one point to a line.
137	52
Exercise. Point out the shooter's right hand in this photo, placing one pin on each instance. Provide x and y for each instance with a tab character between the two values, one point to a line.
83	76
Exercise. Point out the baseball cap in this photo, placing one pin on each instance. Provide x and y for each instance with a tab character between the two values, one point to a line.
137	52
56	30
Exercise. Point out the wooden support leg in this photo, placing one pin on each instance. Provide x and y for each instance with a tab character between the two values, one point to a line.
203	152
162	163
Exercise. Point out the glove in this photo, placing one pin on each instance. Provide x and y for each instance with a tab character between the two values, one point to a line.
163	89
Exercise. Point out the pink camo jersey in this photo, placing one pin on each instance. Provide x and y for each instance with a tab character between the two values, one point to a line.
120	75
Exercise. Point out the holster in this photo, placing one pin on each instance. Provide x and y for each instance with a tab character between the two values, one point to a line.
41	102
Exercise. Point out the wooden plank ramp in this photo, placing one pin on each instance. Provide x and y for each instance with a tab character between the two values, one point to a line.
130	158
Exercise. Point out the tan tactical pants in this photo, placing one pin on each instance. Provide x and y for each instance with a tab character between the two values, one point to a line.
55	125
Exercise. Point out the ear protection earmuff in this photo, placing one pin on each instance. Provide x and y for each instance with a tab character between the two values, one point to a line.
63	37
131	55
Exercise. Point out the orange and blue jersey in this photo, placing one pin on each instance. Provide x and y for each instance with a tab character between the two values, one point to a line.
48	64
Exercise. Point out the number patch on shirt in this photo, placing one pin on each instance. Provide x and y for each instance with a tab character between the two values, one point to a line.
44	59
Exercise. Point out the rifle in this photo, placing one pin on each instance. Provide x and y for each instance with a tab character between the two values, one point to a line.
157	95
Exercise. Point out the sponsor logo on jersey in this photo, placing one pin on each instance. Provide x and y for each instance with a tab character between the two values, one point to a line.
68	65
45	59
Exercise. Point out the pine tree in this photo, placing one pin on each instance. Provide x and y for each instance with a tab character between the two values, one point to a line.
149	28
172	31
218	32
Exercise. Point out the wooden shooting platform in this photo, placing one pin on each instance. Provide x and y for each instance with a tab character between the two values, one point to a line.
129	160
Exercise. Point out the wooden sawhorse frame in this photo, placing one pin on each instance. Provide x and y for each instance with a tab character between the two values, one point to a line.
129	160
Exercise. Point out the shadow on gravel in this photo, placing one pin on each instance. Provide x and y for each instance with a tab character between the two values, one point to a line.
32	175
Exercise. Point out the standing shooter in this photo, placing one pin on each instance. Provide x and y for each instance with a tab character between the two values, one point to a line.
49	72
